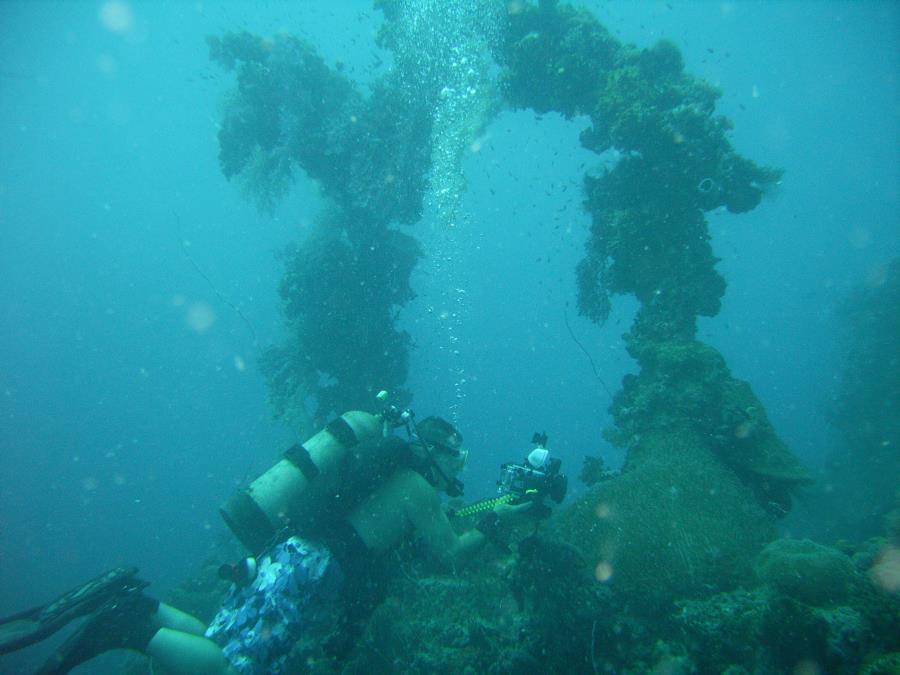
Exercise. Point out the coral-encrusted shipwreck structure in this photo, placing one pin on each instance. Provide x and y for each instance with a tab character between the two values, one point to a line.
671	566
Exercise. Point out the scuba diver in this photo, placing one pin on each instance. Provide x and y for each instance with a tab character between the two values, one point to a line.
321	524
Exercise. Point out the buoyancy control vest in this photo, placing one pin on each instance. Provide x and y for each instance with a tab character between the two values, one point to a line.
319	482
361	470
281	496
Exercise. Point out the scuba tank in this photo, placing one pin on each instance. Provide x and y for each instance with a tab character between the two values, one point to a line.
282	496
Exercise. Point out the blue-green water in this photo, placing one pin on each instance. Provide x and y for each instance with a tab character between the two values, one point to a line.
131	404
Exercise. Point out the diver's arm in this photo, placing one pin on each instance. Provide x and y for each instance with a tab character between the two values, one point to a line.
431	525
433	528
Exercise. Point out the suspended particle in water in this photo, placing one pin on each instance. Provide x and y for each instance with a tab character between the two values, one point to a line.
602	511
859	237
603	571
200	317
886	570
107	66
515	7
744	430
807	667
116	16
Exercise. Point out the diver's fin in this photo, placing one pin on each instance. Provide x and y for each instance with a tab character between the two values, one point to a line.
123	621
33	625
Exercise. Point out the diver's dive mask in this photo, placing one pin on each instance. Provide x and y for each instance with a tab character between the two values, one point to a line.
460	454
439	454
441	441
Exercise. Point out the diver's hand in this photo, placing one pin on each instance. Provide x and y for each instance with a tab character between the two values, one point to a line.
514	513
496	524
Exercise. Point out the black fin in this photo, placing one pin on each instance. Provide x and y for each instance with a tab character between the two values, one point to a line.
123	621
33	625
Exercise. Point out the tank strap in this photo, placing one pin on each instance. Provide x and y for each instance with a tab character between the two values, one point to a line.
342	431
299	457
248	521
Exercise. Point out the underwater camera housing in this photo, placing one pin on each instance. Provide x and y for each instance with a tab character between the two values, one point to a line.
535	478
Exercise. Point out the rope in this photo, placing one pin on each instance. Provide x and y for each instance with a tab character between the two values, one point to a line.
586	352
215	290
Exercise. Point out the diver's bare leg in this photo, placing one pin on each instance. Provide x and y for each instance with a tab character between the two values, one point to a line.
170	617
187	653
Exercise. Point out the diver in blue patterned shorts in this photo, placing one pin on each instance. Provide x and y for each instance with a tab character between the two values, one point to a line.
317	582
295	592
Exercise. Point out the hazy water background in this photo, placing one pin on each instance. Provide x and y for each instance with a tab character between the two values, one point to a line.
130	405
